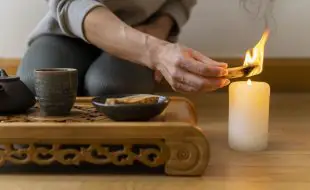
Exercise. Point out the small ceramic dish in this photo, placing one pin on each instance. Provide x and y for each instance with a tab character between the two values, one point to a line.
130	112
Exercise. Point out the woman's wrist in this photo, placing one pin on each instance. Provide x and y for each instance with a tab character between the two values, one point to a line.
153	47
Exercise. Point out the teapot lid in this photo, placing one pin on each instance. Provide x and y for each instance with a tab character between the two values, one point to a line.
4	76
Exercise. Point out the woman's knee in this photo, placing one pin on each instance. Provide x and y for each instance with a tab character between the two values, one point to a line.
110	75
55	52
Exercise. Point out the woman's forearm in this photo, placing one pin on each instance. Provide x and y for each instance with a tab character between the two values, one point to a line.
103	29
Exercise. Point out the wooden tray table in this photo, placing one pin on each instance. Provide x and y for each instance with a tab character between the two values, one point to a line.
172	139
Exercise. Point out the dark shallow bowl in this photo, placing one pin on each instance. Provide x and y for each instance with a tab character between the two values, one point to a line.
130	112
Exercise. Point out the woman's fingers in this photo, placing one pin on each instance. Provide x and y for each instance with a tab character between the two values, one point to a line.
201	58
202	69
217	82
189	71
177	85
196	82
181	76
180	87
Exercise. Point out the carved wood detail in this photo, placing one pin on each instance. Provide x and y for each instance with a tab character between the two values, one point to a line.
188	157
91	153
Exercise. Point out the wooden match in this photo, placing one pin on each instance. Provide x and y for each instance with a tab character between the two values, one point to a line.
242	71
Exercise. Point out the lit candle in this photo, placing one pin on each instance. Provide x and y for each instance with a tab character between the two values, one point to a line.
248	115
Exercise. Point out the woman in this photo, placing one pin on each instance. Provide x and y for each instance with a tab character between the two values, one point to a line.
117	46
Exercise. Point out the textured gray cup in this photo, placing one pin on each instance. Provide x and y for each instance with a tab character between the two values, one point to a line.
56	90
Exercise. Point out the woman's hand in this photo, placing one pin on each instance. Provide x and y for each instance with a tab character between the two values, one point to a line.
187	70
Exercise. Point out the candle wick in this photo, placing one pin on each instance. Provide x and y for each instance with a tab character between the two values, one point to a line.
249	82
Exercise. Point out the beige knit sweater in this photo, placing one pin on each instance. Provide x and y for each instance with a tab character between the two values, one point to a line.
65	17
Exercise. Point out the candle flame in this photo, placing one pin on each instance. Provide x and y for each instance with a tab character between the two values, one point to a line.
255	56
249	82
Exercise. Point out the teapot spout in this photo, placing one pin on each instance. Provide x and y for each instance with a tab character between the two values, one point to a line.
3	73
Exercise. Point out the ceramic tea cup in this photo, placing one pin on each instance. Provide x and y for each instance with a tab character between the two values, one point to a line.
56	90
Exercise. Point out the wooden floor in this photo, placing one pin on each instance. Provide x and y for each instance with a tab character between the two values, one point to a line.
284	166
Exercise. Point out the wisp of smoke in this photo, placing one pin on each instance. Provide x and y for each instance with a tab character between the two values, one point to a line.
262	9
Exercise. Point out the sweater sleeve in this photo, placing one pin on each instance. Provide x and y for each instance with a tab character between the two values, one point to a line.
180	11
70	14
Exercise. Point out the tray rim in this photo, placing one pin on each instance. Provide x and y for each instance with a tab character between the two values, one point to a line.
87	100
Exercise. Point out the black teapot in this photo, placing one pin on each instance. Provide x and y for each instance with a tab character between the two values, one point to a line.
15	97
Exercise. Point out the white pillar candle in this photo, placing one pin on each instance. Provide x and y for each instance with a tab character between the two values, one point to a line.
248	115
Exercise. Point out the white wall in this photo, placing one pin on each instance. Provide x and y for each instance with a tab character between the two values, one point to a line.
219	28
17	19
223	28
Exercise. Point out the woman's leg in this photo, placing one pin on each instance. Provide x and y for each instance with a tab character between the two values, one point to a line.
110	75
57	52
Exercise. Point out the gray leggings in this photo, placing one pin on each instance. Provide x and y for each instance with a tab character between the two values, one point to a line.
98	72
